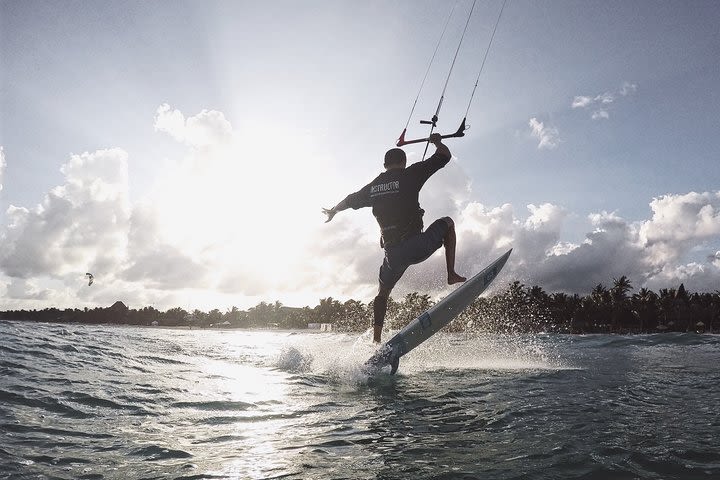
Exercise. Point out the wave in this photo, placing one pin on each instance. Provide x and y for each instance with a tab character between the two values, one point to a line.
642	340
156	452
44	403
217	405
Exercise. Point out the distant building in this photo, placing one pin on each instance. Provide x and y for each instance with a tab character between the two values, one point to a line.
119	307
323	327
118	312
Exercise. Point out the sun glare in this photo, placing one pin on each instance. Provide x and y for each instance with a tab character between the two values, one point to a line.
247	210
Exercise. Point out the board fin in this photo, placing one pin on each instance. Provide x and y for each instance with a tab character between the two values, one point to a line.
394	364
387	355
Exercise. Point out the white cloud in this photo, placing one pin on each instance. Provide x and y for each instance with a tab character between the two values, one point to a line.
79	225
609	251
548	136
207	128
714	258
87	224
680	222
628	89
170	121
155	262
2	165
603	100
582	101
26	290
696	277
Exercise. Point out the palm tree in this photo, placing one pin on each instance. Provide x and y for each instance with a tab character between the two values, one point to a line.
261	314
175	316
715	315
234	316
621	314
329	310
511	308
600	294
644	305
538	314
666	302
476	316
564	309
621	287
600	307
412	306
356	316
701	307
215	317
682	307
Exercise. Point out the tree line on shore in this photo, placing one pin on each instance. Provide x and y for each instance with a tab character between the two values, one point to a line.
515	309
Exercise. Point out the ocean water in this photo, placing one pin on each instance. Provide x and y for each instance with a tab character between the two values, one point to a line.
117	402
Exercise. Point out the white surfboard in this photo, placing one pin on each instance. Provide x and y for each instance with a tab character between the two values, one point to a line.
439	315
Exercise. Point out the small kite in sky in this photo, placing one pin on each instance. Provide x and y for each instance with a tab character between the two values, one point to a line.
90	278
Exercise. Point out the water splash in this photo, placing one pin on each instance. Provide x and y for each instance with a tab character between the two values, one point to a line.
337	357
340	357
293	360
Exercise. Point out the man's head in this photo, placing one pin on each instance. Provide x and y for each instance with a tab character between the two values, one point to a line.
395	158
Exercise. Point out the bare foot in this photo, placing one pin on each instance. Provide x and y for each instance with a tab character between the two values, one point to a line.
455	278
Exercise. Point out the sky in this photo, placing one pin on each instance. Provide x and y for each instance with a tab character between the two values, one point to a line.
182	151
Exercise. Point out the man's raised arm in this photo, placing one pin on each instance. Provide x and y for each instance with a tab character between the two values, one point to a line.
441	148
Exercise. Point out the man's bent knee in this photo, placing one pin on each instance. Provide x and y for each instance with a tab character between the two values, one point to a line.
450	232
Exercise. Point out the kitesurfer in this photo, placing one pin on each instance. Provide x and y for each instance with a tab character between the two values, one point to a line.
393	196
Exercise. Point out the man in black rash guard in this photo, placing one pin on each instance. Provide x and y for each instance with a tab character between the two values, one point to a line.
393	196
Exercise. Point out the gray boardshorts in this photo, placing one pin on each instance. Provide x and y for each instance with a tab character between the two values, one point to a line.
411	251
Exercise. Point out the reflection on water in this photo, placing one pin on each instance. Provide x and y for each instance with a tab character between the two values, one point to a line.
126	402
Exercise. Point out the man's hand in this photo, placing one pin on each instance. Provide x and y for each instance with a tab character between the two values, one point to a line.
330	212
436	139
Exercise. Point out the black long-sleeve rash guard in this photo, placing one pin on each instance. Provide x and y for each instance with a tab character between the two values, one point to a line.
393	196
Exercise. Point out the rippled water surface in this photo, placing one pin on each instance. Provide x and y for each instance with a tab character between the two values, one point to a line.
111	402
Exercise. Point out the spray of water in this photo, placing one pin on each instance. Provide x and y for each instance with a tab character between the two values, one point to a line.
339	358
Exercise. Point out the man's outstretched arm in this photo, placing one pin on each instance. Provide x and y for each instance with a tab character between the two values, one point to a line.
330	212
356	200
